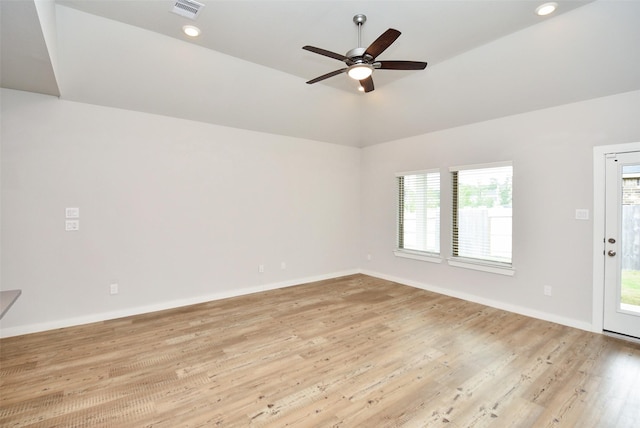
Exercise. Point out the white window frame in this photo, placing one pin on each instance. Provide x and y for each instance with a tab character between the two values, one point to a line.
427	256
501	268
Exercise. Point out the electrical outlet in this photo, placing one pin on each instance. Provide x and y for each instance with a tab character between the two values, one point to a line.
283	265
113	288
368	257
261	268
547	290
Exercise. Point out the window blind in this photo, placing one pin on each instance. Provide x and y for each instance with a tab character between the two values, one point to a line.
419	211
482	213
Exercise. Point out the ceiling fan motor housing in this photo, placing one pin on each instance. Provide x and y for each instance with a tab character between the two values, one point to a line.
358	56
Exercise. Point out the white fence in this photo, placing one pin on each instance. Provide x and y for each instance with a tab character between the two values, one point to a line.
487	230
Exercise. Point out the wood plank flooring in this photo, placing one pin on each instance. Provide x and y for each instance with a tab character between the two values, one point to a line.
349	352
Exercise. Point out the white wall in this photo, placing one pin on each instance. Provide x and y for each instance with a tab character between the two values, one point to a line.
551	152
175	211
178	212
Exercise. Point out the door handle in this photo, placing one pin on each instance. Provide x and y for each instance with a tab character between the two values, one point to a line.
611	253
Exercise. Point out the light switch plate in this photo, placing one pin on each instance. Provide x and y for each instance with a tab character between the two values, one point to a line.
582	214
71	225
72	212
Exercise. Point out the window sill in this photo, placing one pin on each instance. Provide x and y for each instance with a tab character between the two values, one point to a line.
482	266
415	255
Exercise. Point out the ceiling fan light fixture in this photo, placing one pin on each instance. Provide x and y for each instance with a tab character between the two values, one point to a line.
360	71
191	30
546	8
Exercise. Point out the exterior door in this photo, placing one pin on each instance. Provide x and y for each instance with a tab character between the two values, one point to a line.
622	244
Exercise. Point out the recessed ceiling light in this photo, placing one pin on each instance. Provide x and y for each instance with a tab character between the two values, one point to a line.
191	30
546	9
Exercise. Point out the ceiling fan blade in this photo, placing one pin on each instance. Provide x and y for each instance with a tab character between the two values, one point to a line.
402	65
327	53
326	76
382	43
367	84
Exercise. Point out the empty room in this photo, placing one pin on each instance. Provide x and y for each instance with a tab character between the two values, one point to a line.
320	213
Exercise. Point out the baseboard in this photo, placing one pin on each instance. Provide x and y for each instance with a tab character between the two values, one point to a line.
487	302
71	322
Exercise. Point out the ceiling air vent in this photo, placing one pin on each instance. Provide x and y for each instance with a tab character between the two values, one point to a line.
188	8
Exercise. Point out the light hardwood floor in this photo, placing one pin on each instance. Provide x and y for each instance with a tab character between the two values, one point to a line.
353	351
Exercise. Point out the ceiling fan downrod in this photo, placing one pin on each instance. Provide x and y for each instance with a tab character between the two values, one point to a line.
360	19
357	54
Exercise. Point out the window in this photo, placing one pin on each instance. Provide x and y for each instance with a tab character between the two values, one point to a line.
419	215
481	216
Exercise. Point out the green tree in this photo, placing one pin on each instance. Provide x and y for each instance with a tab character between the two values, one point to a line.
485	195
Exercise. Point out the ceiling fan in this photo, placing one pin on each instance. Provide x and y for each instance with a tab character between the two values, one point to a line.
361	62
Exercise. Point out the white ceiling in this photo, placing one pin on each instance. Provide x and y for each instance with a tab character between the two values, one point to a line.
487	59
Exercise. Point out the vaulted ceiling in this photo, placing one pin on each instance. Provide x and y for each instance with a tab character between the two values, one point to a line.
487	59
